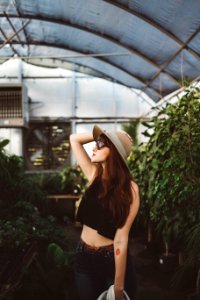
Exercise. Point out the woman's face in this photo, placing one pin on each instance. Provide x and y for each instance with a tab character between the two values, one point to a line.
101	151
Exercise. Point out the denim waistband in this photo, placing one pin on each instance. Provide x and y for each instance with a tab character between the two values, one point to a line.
90	248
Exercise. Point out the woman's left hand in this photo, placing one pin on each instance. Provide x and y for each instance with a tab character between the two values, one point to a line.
118	294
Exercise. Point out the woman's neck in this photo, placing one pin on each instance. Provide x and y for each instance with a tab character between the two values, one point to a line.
104	175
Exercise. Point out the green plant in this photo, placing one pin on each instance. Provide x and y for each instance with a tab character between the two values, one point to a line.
190	269
24	214
70	180
58	272
137	164
175	147
132	129
50	183
73	180
18	231
25	221
168	170
50	276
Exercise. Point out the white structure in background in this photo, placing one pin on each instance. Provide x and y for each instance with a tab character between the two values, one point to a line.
171	98
65	95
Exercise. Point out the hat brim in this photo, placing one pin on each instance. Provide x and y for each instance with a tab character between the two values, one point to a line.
97	131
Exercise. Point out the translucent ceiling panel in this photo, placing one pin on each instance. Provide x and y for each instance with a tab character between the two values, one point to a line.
59	93
94	98
126	101
101	98
50	97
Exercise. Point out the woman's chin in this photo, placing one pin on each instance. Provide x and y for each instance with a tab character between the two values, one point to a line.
98	159
94	159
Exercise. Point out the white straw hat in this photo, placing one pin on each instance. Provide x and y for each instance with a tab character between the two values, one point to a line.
120	139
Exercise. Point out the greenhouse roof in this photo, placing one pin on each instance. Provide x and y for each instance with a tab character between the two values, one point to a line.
153	46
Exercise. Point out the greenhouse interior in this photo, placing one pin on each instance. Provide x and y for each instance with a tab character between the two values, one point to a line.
66	66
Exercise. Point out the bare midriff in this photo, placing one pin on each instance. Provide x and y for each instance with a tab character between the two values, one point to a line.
91	237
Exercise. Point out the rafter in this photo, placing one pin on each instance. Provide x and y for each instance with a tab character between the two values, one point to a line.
171	58
9	39
52	62
152	23
24	29
98	34
5	42
13	27
42	43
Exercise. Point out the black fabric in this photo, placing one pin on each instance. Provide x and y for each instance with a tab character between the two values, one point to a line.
92	213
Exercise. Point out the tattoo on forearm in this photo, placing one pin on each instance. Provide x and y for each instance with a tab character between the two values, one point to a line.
117	252
118	243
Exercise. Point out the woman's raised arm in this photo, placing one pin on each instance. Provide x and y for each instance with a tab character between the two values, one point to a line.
77	141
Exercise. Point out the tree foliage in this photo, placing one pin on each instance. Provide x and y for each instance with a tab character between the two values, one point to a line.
167	168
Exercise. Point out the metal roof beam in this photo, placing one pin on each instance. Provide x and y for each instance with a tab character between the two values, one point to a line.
52	62
154	24
101	59
171	58
12	26
8	40
104	36
24	29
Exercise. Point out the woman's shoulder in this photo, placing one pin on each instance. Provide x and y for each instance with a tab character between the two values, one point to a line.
135	193
134	186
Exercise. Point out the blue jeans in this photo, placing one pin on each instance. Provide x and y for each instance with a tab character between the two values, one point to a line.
95	271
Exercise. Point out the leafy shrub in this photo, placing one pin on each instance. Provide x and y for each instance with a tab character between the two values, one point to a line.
24	214
167	169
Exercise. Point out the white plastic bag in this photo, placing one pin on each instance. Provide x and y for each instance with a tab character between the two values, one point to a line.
110	294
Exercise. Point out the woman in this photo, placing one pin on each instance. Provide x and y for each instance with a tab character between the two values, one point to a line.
107	211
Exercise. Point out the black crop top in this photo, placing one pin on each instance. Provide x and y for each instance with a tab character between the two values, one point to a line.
93	214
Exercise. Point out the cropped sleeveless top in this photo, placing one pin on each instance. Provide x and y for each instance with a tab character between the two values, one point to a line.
92	213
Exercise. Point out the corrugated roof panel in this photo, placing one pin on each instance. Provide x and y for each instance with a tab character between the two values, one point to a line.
153	32
162	83
180	17
195	43
185	65
135	65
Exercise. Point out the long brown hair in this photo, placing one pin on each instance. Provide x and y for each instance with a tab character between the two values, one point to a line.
116	194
